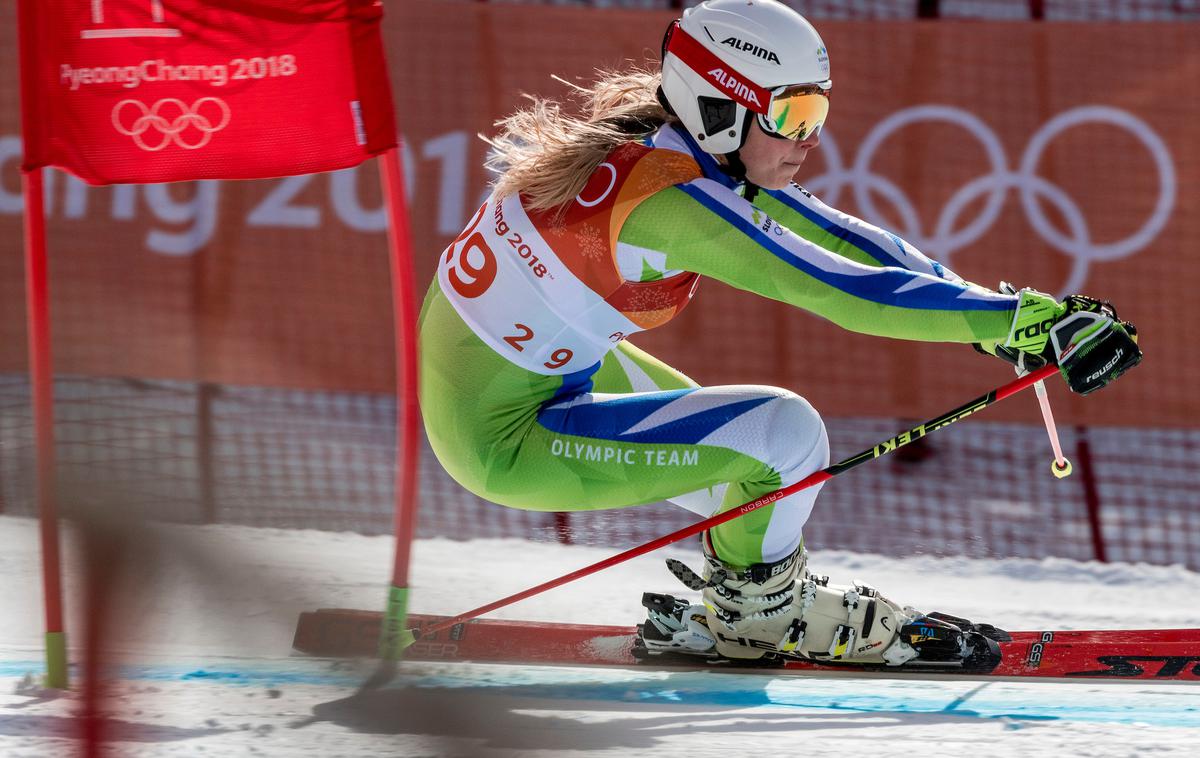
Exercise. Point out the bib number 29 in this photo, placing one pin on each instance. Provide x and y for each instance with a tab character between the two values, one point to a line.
558	358
474	272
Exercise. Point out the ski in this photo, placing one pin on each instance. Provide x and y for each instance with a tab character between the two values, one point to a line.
1110	635
1128	655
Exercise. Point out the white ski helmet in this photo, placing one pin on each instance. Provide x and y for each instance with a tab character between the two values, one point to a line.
728	59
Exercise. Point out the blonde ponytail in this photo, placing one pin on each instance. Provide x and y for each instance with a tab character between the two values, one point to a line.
548	155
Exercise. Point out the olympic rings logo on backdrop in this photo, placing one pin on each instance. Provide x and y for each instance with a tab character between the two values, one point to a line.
948	235
171	121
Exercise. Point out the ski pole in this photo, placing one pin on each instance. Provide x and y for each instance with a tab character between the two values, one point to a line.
1060	466
883	448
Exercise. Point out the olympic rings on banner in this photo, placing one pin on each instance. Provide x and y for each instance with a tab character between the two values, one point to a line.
950	234
167	122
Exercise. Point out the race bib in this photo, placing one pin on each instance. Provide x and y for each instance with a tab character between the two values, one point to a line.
515	293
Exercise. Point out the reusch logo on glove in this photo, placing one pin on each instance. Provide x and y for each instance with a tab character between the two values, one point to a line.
1106	367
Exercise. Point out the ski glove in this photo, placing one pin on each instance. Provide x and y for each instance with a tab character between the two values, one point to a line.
1082	336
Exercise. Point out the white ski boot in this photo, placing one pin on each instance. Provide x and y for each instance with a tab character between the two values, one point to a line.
780	609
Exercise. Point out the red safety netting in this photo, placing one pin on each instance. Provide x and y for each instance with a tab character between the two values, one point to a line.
307	460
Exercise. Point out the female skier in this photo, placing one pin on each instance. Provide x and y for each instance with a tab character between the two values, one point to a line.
599	227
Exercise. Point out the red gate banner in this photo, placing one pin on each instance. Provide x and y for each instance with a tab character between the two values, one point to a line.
119	91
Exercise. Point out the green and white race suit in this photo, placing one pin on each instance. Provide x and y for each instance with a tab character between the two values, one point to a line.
533	398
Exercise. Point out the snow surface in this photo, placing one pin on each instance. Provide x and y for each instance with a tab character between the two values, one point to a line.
209	615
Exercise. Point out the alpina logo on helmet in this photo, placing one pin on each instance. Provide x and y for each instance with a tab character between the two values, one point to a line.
735	87
753	49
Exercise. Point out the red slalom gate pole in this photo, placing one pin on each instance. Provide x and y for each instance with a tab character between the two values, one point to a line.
41	379
404	304
824	475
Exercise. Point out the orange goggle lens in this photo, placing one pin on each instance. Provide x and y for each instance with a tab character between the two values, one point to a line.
798	112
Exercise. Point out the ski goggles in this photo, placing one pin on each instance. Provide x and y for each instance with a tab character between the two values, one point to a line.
796	112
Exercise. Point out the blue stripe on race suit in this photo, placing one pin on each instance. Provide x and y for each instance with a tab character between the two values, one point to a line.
874	285
576	383
588	419
708	164
608	418
867	245
711	169
690	429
